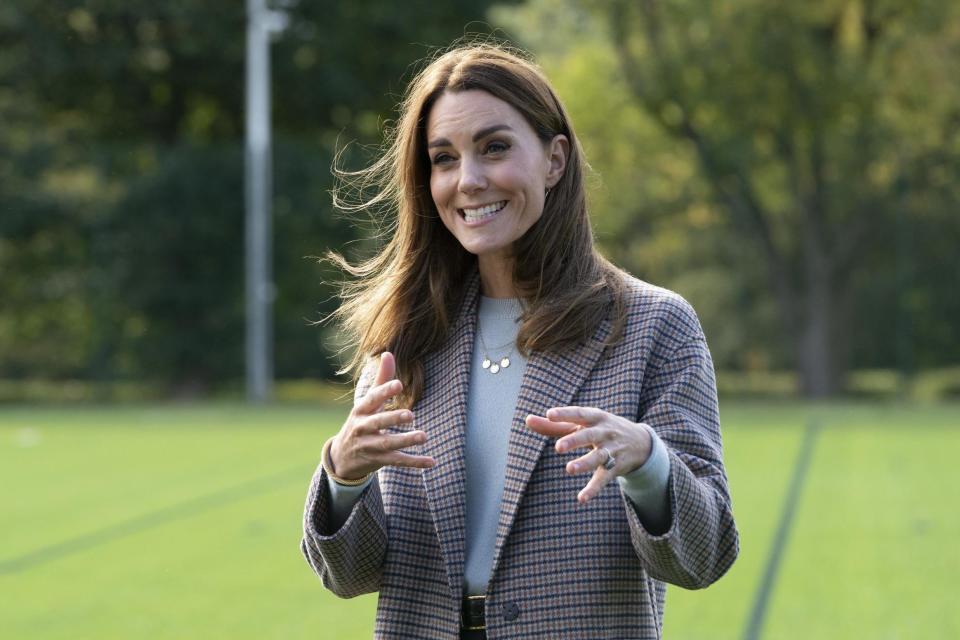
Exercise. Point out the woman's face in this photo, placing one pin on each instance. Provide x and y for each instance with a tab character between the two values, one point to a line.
489	170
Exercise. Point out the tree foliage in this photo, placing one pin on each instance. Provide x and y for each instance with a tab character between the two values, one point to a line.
789	167
121	165
805	148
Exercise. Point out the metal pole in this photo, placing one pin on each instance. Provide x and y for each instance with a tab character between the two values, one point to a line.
261	22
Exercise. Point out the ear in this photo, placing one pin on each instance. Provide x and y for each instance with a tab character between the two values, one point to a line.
558	150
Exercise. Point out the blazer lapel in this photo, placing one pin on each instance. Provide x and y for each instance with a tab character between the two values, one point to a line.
550	380
442	413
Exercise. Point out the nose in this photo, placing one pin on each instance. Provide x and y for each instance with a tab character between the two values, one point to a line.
472	177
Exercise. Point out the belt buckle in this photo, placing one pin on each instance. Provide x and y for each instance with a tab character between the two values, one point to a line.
464	614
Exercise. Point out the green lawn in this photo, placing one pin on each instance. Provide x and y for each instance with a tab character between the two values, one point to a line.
182	521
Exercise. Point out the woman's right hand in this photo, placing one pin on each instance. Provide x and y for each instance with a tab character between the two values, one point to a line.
361	447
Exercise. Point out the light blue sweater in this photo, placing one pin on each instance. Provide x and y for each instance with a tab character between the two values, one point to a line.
491	401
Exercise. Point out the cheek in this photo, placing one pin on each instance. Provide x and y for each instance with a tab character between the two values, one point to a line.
524	178
438	191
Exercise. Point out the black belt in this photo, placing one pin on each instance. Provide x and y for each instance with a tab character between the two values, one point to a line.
472	613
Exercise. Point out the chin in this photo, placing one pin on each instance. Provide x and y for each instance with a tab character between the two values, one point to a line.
482	250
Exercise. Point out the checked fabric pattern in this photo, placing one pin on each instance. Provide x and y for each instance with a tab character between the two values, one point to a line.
560	569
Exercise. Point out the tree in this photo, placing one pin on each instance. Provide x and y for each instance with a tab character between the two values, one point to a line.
121	176
812	137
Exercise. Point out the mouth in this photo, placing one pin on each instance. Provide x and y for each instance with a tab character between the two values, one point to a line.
483	213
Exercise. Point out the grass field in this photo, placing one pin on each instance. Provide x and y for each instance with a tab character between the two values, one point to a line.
184	521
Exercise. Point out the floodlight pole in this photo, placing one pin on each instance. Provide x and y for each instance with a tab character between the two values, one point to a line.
262	22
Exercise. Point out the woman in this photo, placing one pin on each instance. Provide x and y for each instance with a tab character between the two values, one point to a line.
487	327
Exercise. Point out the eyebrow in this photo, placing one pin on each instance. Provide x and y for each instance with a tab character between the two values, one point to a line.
443	142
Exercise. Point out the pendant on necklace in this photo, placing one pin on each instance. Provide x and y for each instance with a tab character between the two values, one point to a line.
495	367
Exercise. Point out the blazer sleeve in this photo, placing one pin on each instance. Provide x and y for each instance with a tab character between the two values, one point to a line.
679	401
348	560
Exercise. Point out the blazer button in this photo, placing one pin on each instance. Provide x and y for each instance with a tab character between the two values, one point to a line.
511	611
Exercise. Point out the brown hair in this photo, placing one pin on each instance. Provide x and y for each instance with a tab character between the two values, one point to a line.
404	298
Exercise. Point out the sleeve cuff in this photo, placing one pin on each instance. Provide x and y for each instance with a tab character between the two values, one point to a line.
343	498
646	486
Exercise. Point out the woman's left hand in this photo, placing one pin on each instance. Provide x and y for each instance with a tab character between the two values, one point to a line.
627	443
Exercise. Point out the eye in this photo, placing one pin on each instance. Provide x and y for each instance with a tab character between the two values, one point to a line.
442	158
496	147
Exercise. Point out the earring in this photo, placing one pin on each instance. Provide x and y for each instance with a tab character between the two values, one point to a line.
546	191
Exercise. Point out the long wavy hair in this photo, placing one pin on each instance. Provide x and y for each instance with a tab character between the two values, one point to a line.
405	298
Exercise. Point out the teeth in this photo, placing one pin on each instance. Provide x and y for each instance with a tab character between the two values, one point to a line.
473	215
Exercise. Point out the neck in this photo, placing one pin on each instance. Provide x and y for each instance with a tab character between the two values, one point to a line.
496	276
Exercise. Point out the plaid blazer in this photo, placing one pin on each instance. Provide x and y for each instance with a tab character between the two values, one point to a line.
560	569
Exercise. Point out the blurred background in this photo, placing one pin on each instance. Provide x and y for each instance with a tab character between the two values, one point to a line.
789	168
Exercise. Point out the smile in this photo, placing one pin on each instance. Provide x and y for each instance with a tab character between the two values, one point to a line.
484	212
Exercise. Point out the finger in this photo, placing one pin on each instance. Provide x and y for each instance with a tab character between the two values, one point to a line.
377	395
587	463
550	428
587	437
384	420
398	459
599	480
580	415
394	442
378	448
387	369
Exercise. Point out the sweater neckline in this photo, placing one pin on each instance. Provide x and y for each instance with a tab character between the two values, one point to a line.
502	308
